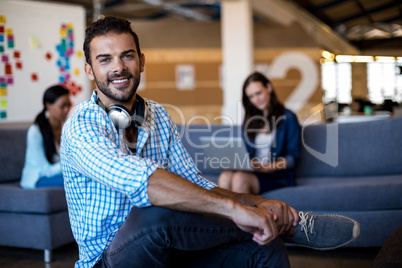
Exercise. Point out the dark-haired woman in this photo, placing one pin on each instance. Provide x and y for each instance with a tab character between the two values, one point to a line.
272	135
42	164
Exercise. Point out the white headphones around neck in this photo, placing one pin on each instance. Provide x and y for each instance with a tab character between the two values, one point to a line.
121	117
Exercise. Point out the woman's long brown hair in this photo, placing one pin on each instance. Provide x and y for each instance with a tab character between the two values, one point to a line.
253	119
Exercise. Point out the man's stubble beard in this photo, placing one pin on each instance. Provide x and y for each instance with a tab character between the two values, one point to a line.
103	87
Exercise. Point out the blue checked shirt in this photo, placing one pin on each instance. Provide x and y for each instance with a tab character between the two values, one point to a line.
103	179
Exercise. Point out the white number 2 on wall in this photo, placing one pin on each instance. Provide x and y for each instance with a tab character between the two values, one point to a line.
309	77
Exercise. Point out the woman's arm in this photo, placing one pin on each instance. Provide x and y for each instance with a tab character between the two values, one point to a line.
36	156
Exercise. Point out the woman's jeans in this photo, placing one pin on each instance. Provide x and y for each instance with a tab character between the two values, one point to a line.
160	237
55	181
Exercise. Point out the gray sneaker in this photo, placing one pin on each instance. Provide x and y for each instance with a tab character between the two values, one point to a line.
324	232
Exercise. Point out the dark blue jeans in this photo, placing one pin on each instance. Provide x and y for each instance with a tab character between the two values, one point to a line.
55	181
159	237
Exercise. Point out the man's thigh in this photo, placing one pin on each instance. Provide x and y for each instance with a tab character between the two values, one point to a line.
150	237
239	254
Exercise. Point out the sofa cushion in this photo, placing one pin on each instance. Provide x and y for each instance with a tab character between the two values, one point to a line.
190	136
344	193
12	152
351	149
42	200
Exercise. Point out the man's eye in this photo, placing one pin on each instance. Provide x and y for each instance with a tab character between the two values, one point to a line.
103	60
129	56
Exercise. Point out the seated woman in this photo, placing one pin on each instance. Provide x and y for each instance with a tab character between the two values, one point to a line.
272	135
42	163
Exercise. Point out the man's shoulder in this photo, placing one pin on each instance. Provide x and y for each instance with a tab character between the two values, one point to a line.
85	107
156	107
84	112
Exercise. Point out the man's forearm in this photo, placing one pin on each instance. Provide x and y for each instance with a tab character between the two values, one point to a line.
246	199
166	189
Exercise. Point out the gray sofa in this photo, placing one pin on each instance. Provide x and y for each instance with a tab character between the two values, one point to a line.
366	183
353	169
36	219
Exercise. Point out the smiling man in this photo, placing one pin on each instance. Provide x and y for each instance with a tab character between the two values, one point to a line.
133	204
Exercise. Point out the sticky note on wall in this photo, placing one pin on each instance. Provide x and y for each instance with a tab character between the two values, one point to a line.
8	69
3	114
3	103
3	92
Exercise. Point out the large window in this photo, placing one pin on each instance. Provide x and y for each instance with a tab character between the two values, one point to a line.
384	81
336	80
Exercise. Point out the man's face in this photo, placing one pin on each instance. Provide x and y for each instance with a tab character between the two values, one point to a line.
115	68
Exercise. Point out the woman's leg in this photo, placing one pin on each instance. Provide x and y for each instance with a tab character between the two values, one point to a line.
225	179
245	182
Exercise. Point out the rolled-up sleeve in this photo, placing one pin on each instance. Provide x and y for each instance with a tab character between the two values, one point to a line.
181	163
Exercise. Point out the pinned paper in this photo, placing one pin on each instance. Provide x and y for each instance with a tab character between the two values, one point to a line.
9	31
3	19
3	91
79	54
185	77
8	69
33	41
18	65
3	114
63	32
4	58
3	103
65	50
17	54
1	29
34	77
48	56
10	80
1	38
77	71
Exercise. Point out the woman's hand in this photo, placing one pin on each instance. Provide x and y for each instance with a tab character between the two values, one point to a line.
280	164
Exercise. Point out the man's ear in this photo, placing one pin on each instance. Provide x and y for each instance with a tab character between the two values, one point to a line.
89	71
142	62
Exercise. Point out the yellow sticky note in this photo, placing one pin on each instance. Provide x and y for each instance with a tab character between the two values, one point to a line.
77	72
62	32
3	19
9	31
3	103
33	41
70	26
79	54
3	92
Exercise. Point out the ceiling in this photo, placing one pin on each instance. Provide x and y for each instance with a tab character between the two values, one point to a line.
366	24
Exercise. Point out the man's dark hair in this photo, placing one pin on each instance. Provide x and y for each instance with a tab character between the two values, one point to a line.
104	26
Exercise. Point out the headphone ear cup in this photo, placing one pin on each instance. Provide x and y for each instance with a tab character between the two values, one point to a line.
119	116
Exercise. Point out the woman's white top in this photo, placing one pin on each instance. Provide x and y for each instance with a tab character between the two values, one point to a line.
36	164
262	144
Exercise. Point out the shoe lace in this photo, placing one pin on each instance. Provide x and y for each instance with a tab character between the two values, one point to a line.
306	223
